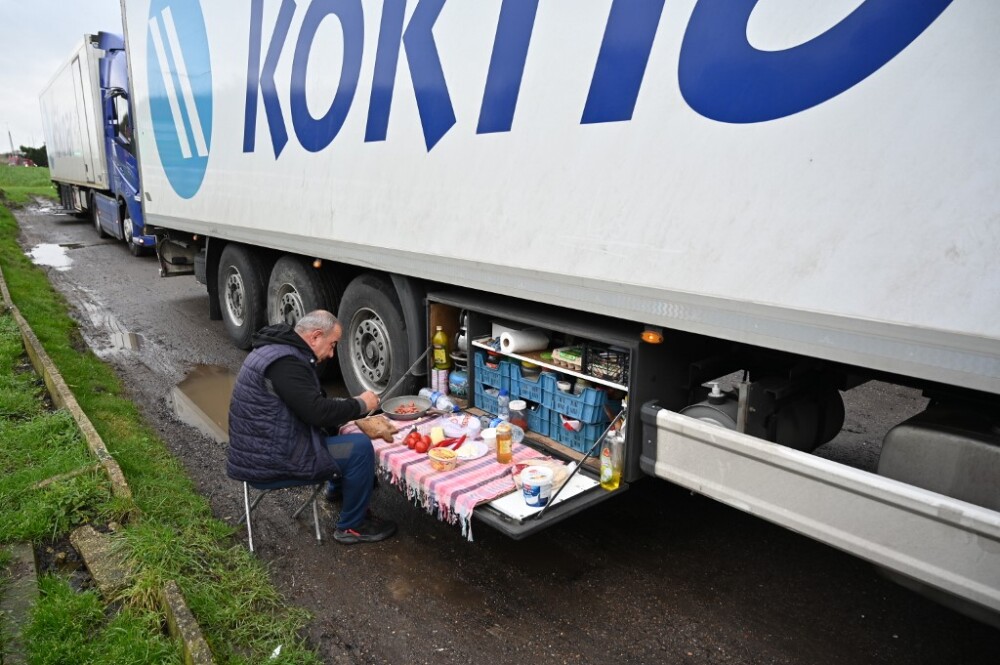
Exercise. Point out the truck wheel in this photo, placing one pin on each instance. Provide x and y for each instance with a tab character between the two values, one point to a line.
128	231
373	348
96	218
297	288
241	294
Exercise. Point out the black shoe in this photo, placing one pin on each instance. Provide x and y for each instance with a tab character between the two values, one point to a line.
333	493
369	531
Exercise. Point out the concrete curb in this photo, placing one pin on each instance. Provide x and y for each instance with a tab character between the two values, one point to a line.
16	601
180	620
63	397
184	627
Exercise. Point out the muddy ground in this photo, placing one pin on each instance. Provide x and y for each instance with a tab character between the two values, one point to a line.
657	575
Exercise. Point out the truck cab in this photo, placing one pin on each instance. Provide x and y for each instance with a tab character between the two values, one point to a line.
119	216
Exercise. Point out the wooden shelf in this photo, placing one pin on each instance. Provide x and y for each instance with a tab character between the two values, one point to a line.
535	357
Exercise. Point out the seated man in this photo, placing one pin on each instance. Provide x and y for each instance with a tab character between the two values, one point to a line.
279	416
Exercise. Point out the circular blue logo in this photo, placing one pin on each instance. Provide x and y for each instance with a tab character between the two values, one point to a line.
180	91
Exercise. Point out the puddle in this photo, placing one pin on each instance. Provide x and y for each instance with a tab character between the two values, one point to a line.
202	400
126	341
51	211
54	256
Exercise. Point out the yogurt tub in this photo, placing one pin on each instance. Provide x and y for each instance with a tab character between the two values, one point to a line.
536	485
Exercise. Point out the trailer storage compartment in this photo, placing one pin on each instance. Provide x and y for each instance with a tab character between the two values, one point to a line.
567	409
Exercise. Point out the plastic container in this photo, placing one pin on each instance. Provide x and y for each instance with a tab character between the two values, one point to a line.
490	437
519	413
536	485
529	369
443	459
570	357
458	383
462	423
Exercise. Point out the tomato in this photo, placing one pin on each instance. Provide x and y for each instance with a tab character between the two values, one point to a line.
422	446
411	441
426	440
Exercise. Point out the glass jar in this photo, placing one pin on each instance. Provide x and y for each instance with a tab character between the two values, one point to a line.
505	445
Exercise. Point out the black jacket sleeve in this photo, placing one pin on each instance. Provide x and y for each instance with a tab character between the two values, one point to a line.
295	383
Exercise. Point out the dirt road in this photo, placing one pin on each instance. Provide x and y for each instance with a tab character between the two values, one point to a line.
657	575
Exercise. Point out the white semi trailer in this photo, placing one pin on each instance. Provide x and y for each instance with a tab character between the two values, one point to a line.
801	195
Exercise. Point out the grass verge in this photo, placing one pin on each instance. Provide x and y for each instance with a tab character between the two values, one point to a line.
171	534
21	183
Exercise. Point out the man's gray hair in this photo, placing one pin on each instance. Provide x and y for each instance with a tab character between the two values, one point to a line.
318	319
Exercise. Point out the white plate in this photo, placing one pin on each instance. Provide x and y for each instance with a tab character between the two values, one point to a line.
471	450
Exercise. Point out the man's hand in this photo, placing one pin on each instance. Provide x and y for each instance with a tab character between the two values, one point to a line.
370	399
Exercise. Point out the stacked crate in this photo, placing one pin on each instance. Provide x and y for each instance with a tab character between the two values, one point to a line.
487	377
537	391
589	408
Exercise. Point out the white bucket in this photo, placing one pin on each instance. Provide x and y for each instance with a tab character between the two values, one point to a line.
536	484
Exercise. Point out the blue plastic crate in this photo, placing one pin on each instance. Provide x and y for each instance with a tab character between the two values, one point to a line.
495	378
579	441
540	420
536	389
484	400
587	407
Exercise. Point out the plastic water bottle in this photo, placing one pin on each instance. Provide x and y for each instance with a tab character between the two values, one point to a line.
503	405
438	400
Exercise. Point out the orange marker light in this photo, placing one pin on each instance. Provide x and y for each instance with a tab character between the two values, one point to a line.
317	263
652	336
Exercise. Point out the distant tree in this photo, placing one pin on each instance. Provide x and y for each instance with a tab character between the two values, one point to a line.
38	155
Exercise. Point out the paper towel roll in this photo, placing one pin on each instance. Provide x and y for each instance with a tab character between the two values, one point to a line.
523	341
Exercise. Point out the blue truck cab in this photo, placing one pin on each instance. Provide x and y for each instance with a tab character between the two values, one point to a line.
119	213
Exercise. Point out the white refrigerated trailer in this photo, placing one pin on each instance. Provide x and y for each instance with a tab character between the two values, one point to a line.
801	195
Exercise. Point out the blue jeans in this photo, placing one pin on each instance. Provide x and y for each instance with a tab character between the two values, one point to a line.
355	456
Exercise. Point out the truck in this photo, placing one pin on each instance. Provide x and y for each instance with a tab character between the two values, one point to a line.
87	122
723	215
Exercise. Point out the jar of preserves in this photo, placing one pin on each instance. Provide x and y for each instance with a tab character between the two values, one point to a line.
505	443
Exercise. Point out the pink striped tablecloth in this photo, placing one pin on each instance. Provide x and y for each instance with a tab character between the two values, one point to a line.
449	495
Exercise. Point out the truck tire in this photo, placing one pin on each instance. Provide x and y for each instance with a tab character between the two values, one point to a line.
96	218
297	288
241	294
372	349
128	230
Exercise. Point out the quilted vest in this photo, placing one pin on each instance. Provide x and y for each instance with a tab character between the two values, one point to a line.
267	441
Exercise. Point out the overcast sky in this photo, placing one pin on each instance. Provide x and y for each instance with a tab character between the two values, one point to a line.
38	36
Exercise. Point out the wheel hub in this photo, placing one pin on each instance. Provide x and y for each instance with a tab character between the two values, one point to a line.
235	298
371	353
290	307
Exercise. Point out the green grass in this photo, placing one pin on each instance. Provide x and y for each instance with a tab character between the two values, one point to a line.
170	534
19	183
